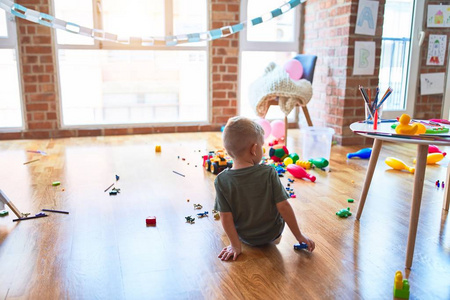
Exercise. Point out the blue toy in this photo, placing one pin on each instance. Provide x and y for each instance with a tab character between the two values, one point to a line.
201	215
300	246
363	153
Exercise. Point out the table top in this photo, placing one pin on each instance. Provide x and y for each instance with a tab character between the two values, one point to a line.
386	133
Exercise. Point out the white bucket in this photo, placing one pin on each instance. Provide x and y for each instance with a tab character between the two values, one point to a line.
316	142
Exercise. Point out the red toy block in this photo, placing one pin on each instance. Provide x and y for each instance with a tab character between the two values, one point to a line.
150	221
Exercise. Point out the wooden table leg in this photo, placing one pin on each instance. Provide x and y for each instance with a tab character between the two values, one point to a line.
446	194
422	151
370	169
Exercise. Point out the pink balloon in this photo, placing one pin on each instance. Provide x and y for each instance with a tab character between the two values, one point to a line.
277	129
294	68
266	126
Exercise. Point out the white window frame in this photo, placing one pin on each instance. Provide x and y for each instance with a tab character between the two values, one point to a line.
107	45
10	42
245	45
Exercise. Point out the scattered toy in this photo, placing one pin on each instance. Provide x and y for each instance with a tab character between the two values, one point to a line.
179	173
39	215
304	164
300	246
190	219
363	153
56	183
217	162
117	177
203	214
188	200
150	220
278	154
319	162
401	286
435	149
109	187
291	180
158	148
344	213
3	213
198	206
442	184
433	158
398	164
437	184
350	200
216	216
113	193
299	172
56	211
31	161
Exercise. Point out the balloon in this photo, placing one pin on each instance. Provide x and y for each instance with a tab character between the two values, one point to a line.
278	128
266	126
294	68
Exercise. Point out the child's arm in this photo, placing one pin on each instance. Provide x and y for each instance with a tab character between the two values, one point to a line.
288	215
234	249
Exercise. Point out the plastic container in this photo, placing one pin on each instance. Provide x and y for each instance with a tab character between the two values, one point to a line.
316	142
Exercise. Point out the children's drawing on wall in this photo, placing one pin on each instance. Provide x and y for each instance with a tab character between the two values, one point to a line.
436	49
438	16
366	21
364	63
432	83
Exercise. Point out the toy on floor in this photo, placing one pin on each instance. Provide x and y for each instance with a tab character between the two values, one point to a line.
404	127
190	219
182	175
437	183
299	172
56	183
150	220
319	162
278	154
203	214
344	213
435	149
4	200
304	164
114	192
294	157
401	286
158	148
3	213
433	158
443	184
300	246
218	162
216	214
363	153
198	206
55	211
287	161
350	200
109	187
398	164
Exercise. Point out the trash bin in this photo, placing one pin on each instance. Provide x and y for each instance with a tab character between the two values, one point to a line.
316	142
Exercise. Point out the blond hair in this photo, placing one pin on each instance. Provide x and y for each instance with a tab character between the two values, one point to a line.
240	133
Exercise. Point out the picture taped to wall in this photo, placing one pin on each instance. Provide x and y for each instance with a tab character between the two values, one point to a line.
366	21
432	83
438	16
437	45
364	63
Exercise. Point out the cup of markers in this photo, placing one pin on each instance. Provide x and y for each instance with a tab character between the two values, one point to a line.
373	109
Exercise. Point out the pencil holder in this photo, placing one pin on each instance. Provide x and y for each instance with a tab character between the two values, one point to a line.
369	114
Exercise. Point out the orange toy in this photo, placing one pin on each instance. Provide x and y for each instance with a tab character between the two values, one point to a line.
398	164
404	127
433	158
422	129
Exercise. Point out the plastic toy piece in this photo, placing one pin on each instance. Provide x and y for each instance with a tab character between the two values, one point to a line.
113	193
179	174
404	127
109	187
304	164
278	154
398	164
203	214
56	183
443	184
437	130
39	215
435	149
401	286
344	213
3	213
198	206
287	161
433	158
290	180
31	161
443	121
437	184
350	200
300	246
56	211
158	148
117	177
294	157
216	216
363	153
299	172
150	220
190	219
319	162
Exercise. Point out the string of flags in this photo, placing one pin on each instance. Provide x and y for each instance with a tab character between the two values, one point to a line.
172	40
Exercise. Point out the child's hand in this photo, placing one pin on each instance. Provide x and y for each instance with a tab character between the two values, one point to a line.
309	242
229	252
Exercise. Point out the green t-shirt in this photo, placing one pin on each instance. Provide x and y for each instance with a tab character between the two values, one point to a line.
251	195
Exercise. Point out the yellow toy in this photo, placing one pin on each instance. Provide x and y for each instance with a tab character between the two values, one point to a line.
433	158
304	163
401	286
158	148
422	129
287	161
404	127
398	164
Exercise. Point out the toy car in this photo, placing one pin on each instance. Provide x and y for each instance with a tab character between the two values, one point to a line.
216	162
190	219
300	246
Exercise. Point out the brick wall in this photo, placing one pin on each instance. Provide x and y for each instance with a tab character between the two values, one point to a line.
430	106
328	30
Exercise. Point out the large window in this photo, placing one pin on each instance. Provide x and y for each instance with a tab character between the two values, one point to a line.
10	104
109	83
275	41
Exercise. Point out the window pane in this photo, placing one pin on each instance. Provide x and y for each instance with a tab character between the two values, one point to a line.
134	17
189	16
121	87
279	29
253	65
10	108
3	29
78	12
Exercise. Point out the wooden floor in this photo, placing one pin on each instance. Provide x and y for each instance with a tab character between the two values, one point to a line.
104	250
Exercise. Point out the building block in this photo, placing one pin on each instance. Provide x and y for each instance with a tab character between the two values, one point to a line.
158	148
401	286
150	220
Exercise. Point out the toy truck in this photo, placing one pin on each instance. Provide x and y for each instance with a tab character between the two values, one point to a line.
216	162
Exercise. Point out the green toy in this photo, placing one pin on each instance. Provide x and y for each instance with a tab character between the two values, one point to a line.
56	183
350	200
294	157
401	286
435	130
344	213
3	213
319	162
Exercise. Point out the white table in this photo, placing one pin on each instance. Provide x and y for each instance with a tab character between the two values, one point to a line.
386	133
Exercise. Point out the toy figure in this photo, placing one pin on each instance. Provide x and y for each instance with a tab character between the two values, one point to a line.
344	213
404	127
